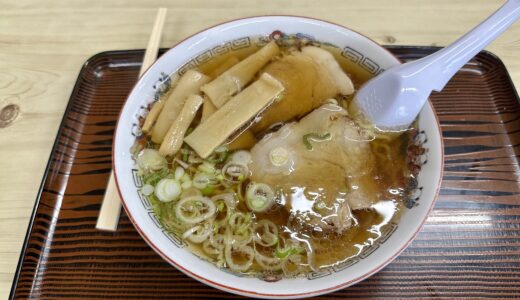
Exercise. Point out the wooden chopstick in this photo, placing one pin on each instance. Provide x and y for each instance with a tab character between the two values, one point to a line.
150	55
108	218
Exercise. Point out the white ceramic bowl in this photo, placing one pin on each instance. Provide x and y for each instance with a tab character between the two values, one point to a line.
225	37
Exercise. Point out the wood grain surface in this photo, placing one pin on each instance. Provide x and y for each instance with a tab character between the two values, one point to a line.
44	43
469	246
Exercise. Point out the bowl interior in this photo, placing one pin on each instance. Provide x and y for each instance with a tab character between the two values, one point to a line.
227	37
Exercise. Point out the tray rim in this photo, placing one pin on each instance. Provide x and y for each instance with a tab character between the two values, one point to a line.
68	108
78	82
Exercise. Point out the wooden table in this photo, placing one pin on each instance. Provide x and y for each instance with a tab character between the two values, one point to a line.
44	43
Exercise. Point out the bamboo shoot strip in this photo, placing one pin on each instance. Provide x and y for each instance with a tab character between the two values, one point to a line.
189	84
207	109
228	63
233	80
234	114
173	140
244	140
152	115
157	107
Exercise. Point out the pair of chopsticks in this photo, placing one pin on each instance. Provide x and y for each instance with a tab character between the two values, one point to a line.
108	218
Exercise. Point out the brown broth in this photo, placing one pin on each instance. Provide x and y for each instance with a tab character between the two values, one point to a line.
333	248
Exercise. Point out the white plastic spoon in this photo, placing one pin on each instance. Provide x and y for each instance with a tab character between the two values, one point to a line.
393	99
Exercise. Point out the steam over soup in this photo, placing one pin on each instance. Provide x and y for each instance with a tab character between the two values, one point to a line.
254	160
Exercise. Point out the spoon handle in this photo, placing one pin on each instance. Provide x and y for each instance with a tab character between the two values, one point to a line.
442	65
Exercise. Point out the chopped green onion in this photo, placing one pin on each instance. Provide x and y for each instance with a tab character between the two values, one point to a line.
279	156
265	233
147	189
235	172
202	180
218	158
150	160
198	233
219	155
190	192
155	177
226	204
214	245
207	168
179	172
315	137
185	177
245	251
267	262
286	252
207	190
185	154
259	197
293	265
195	209
186	184
243	236
240	222
168	190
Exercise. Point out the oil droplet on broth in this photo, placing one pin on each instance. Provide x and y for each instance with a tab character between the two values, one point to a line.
299	202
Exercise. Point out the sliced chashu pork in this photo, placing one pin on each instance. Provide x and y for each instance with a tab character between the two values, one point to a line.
321	186
310	77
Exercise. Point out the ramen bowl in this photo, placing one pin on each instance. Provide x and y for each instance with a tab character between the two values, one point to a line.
232	36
